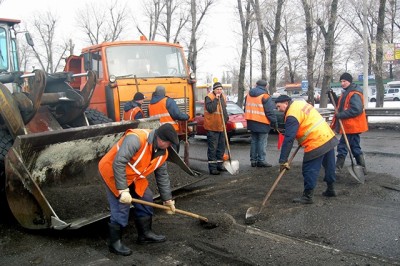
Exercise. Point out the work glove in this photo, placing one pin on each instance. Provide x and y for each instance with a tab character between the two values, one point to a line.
171	205
125	197
284	166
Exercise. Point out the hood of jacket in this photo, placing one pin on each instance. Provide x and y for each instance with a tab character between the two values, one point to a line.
257	91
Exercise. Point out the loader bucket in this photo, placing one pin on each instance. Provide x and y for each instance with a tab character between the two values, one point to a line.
52	179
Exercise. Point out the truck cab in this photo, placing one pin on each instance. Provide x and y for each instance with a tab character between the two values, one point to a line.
126	67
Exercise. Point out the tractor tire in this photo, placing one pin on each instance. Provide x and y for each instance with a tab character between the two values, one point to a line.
96	118
6	141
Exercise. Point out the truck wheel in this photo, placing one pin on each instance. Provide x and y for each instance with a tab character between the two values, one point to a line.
95	117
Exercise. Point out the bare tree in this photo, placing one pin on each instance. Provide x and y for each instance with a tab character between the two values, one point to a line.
245	20
196	8
379	54
256	7
50	53
153	11
273	40
102	24
329	36
174	18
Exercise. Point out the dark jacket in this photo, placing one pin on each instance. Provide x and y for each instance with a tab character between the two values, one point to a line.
269	107
132	104
172	107
356	104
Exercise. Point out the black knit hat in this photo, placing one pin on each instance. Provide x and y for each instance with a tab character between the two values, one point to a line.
262	83
283	98
138	96
346	76
217	85
167	132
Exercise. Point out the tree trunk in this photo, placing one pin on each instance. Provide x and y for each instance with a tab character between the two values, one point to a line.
263	54
245	23
379	54
329	36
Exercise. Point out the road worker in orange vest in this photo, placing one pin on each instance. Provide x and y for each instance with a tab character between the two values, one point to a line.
133	109
260	116
125	169
215	130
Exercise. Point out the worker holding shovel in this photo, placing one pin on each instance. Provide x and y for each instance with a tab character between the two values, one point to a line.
124	169
304	123
215	115
350	110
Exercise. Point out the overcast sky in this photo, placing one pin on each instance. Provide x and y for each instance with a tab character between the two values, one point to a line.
219	28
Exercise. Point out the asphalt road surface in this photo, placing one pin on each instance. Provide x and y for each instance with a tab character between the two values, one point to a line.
361	226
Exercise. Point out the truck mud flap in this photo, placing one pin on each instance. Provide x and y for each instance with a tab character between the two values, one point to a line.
52	180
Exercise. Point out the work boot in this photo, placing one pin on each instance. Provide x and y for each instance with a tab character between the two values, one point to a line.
306	198
263	164
361	161
115	245
214	172
221	168
253	164
340	163
330	191
145	235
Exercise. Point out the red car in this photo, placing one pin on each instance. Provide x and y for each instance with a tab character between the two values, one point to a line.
235	127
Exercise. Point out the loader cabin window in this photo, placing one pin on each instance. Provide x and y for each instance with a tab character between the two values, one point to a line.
3	51
145	61
92	61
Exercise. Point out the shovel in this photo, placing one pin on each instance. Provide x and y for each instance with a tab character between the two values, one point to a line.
355	170
252	212
159	206
232	166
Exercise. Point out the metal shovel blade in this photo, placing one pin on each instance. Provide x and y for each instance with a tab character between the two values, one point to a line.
232	166
357	172
251	215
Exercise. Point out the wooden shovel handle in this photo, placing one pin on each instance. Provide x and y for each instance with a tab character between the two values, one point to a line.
159	206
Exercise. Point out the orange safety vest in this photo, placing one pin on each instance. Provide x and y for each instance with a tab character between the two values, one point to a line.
255	109
130	114
356	124
138	168
213	121
313	130
160	110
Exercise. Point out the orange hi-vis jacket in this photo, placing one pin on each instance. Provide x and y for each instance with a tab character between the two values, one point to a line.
353	125
130	115
213	121
313	130
160	110
255	109
139	167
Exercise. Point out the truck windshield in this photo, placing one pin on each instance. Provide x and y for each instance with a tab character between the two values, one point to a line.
145	61
3	50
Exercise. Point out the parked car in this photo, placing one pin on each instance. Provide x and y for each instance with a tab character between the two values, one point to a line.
235	127
391	94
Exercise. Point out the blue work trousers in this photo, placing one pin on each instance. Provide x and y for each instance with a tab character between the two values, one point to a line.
311	170
216	149
258	147
120	211
354	141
